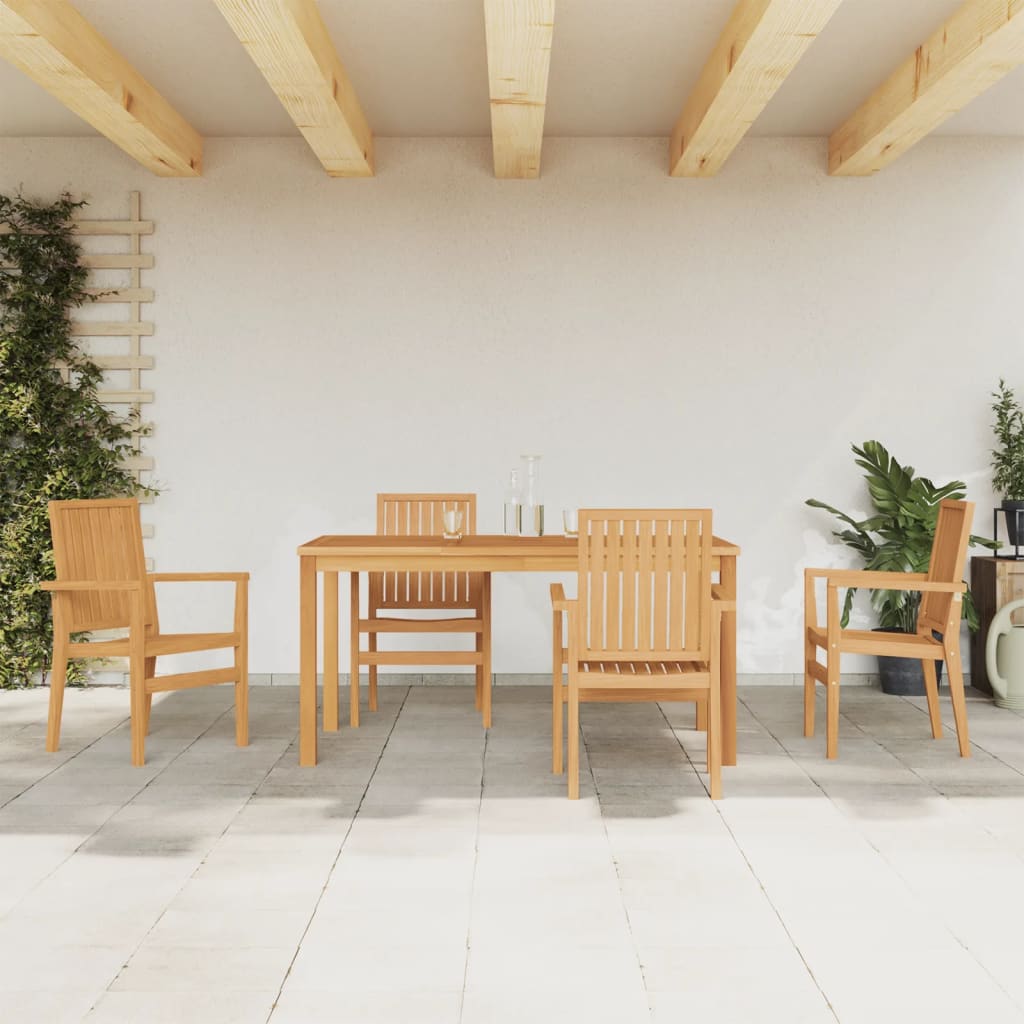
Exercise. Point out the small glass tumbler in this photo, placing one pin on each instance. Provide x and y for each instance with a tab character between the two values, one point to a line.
570	523
452	522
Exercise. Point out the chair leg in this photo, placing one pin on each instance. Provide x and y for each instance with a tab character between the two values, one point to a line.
371	671
150	673
557	760
702	712
242	697
715	739
832	707
574	737
478	700
58	677
137	695
956	692
702	716
810	689
931	689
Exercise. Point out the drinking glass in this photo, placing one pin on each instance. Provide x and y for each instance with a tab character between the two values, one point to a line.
452	522
570	523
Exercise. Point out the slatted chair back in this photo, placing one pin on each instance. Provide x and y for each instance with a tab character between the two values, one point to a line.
99	540
644	585
421	515
949	555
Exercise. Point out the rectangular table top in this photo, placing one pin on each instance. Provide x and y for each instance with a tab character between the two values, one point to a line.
482	552
467	547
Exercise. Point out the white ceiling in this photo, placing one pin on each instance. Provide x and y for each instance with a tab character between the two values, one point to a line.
618	67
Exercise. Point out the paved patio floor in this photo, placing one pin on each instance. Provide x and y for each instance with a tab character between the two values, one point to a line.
427	873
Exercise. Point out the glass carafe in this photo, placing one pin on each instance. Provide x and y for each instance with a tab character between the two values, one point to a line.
531	504
512	523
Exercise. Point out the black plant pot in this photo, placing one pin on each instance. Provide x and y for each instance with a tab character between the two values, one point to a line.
1014	512
903	677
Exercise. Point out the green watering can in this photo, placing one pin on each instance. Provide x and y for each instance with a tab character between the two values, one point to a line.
1004	658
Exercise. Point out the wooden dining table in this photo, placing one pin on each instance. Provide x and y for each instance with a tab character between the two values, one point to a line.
332	555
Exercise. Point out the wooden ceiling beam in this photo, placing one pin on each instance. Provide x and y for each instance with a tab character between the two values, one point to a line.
761	44
979	44
58	49
288	41
519	34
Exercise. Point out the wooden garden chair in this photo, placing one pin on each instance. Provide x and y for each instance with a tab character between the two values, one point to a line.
420	515
643	626
102	584
942	590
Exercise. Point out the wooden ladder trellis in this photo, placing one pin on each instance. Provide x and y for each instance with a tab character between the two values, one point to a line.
132	330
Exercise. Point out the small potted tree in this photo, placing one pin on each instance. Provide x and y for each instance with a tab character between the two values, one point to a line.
1008	459
897	538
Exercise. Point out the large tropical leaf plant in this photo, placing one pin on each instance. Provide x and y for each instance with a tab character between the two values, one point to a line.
898	536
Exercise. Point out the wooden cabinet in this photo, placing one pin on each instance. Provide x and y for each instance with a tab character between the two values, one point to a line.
994	582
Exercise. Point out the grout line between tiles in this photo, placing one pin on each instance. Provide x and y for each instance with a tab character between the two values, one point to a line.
337	857
615	863
870	843
750	867
472	881
93	833
230	708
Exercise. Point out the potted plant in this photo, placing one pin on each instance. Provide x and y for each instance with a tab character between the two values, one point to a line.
1008	459
897	538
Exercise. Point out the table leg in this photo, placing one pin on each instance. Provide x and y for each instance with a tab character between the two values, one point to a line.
353	690
330	691
728	655
307	660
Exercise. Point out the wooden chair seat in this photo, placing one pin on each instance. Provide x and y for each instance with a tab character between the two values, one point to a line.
942	589
867	641
644	669
102	584
644	626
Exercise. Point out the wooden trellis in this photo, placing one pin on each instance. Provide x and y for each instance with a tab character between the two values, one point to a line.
120	354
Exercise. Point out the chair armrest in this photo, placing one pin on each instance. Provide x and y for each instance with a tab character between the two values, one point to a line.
558	600
72	586
198	577
721	602
884	580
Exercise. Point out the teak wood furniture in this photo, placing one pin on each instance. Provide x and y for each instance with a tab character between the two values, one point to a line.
994	582
102	584
942	590
413	515
642	626
332	555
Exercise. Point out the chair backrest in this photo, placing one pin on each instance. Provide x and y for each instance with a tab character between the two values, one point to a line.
420	515
949	554
644	585
99	540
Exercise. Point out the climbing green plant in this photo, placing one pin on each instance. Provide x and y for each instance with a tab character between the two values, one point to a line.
57	439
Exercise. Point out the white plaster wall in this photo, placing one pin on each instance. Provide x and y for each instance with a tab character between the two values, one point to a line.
669	342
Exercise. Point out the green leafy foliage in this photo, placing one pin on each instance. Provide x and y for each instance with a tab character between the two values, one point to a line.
57	440
1008	458
898	537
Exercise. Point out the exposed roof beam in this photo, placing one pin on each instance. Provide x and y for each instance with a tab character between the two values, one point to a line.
518	55
58	49
761	44
979	44
289	43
